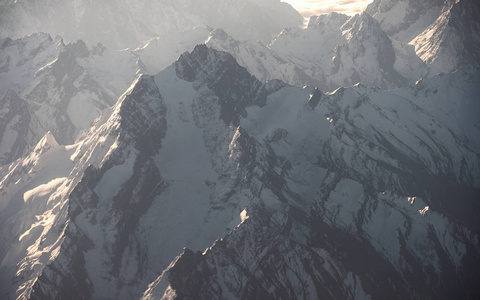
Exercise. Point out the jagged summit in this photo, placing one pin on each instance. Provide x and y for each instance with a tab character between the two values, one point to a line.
48	141
232	84
368	55
363	27
336	51
202	63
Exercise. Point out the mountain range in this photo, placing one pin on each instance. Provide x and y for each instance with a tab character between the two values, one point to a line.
220	150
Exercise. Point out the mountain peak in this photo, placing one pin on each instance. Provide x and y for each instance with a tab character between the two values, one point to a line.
47	142
361	22
221	35
78	49
208	65
232	84
200	62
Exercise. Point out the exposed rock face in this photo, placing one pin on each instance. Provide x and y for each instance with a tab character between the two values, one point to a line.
367	57
234	87
14	123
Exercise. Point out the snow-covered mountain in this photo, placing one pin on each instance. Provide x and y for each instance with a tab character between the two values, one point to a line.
445	33
126	23
297	56
333	51
267	163
48	85
258	59
339	51
322	223
453	40
403	20
285	191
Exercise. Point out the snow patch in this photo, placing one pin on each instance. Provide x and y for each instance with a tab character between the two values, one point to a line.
423	211
243	215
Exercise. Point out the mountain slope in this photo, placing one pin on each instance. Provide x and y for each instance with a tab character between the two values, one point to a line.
453	40
125	167
321	228
287	192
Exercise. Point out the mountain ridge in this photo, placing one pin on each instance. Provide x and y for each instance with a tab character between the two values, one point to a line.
354	175
96	22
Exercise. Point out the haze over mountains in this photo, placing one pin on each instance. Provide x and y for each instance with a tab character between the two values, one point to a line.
222	150
126	23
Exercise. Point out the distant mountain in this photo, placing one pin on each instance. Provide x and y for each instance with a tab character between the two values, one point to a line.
287	192
333	51
125	23
339	51
405	19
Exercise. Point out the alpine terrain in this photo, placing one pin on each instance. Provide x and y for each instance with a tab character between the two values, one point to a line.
221	150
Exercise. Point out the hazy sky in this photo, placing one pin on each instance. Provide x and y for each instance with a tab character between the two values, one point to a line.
313	7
